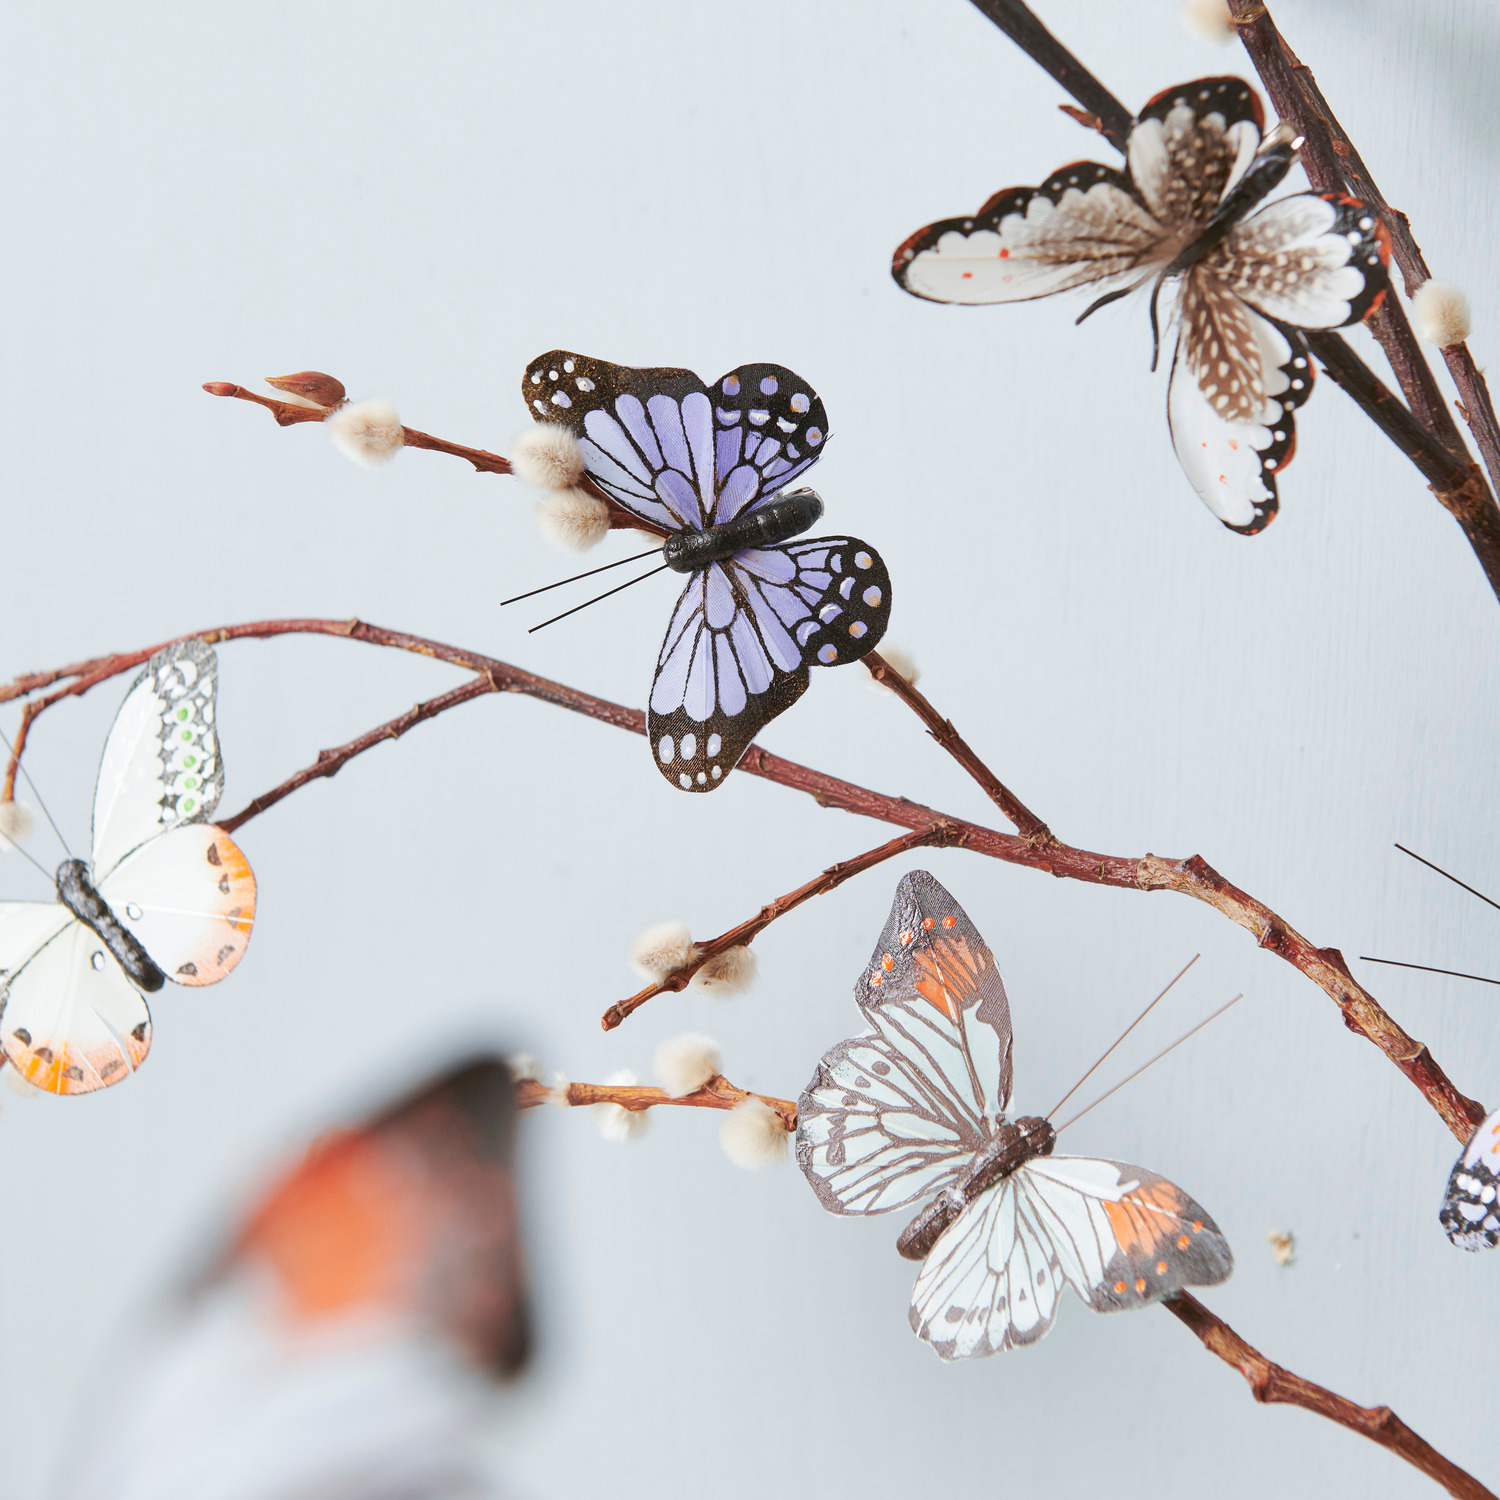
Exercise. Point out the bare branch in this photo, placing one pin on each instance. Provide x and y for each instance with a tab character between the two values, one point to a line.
717	1093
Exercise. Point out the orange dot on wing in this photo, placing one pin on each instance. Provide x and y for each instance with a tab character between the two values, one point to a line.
927	925
1005	255
887	962
875	979
1161	1268
1197	1225
949	921
1140	1285
968	276
1183	1243
1119	1286
905	938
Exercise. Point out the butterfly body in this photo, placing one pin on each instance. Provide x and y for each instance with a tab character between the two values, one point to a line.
707	467
165	895
778	520
76	891
1249	278
915	1111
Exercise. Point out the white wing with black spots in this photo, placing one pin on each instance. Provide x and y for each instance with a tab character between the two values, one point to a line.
1471	1206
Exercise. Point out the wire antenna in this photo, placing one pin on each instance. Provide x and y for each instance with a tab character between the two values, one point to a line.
1121	1084
597	597
1183	970
29	782
574	579
1446	876
1396	963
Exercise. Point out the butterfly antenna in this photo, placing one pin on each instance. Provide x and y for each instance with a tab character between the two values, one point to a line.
574	579
20	766
1155	325
597	597
1425	968
1104	301
1446	876
1121	1084
1178	975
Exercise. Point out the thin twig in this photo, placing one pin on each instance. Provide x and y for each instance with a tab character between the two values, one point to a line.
289	413
1462	489
1026	823
939	834
717	1093
1270	1383
1194	877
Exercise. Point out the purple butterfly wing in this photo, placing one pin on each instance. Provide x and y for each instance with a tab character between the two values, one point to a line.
740	643
769	428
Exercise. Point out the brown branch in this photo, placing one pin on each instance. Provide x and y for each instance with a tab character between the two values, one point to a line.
717	1093
938	834
1270	1383
1026	823
1297	100
1193	877
1295	85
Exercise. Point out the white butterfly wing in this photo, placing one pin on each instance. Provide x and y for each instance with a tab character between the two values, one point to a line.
24	927
1470	1212
161	763
1122	1237
70	1021
189	897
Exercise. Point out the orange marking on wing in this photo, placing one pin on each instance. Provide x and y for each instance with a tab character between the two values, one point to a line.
875	979
905	939
1146	1218
72	1070
927	924
1140	1284
224	946
949	973
1197	1225
887	962
1183	1242
1005	255
341	1231
1119	1286
1161	1268
949	921
968	276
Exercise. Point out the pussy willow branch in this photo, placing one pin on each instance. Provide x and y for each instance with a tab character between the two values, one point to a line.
939	835
1193	877
1268	1381
290	413
1431	439
717	1093
1297	97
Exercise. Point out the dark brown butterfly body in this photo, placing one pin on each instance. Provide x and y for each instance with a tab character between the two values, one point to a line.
76	891
778	520
1011	1147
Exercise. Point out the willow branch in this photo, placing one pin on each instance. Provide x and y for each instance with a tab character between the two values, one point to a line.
1463	492
938	834
717	1093
1270	1383
1026	823
1192	877
1297	97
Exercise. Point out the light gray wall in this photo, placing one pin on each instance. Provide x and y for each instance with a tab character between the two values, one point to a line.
421	198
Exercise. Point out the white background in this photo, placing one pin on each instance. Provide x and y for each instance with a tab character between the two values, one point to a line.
419	200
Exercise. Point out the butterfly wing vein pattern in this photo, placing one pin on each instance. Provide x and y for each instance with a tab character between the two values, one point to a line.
898	1115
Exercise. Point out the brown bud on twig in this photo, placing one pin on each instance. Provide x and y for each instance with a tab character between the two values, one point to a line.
310	385
219	387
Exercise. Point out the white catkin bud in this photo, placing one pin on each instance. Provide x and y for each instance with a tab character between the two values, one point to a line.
616	1123
547	457
573	520
15	823
369	432
753	1135
685	1063
899	661
1209	19
523	1066
661	950
731	972
1440	313
557	1091
1283	1245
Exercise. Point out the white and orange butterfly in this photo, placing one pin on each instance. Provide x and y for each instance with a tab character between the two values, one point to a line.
166	895
916	1109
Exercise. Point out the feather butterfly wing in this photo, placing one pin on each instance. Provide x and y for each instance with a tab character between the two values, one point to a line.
742	639
1310	261
1471	1212
895	1115
1120	1236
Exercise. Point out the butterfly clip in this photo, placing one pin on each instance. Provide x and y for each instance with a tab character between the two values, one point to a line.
1249	279
915	1111
708	470
164	896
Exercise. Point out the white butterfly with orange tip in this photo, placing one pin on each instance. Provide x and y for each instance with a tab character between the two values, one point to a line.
916	1109
166	895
